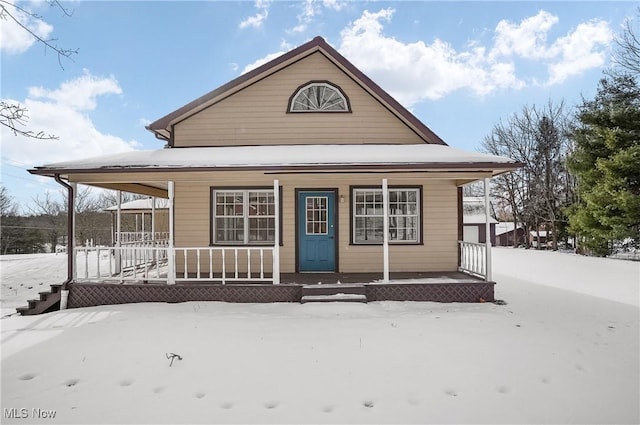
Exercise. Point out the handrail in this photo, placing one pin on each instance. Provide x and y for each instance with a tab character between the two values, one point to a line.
473	258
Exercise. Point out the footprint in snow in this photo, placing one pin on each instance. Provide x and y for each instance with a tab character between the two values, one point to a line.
158	390
451	392
327	409
227	405
27	376
368	403
200	395
579	367
271	405
545	379
125	382
71	382
503	389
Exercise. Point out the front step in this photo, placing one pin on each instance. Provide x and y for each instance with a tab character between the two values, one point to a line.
48	301
334	293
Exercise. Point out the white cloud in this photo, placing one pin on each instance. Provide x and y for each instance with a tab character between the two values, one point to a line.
14	38
258	19
63	112
336	5
261	61
582	49
312	8
79	94
527	40
412	72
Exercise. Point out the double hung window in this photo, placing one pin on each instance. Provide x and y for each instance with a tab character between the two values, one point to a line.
368	215
243	217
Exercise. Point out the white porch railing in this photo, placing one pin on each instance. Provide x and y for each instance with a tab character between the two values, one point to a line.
142	261
225	263
473	258
146	261
133	237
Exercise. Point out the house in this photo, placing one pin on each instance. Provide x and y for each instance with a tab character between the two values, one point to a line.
538	239
302	170
148	220
475	220
507	234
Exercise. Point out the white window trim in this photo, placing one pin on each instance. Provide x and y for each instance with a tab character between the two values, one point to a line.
418	214
333	88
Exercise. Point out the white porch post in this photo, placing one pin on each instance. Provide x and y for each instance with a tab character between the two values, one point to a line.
118	253
153	218
276	238
171	267
487	212
74	186
385	230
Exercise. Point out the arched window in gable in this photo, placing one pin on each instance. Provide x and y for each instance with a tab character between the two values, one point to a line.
319	96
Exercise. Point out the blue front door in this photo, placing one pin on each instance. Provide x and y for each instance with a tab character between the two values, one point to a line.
316	231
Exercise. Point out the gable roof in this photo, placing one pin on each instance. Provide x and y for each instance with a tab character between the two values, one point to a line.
163	127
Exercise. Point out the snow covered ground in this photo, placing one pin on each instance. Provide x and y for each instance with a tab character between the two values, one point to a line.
564	349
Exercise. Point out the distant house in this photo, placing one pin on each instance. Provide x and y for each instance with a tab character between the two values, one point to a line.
474	221
539	238
148	219
507	234
300	170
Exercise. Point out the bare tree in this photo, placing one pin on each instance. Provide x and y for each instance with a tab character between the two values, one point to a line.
537	193
627	55
14	115
7	205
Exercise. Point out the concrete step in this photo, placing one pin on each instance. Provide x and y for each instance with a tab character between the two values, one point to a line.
357	298
337	292
335	288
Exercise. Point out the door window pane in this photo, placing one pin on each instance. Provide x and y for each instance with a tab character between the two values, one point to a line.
316	215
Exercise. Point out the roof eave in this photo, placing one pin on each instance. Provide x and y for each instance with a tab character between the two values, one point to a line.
487	167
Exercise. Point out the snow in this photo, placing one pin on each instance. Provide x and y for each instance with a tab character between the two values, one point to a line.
283	155
504	227
564	349
141	204
477	219
24	275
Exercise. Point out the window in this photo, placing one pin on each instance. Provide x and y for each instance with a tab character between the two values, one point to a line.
316	210
368	213
243	216
318	97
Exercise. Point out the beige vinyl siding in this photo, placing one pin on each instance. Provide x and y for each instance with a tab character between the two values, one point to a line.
439	221
258	114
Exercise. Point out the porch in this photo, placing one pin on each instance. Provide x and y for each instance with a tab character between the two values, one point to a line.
404	286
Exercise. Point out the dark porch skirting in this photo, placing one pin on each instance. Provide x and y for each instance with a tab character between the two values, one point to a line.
93	294
438	292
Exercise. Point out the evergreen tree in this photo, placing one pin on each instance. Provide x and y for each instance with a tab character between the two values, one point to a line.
606	162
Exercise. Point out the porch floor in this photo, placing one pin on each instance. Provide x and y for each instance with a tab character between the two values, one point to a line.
376	278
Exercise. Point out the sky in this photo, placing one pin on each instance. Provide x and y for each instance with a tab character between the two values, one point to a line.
460	67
